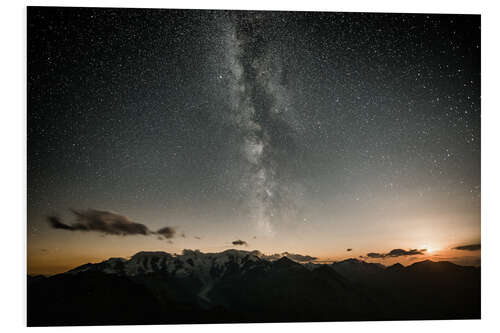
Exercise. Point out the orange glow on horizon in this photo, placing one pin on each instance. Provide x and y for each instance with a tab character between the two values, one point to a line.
55	263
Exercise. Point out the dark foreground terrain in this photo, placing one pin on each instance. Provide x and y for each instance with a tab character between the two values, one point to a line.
240	286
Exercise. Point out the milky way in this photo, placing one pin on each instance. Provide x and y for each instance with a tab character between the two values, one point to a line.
259	109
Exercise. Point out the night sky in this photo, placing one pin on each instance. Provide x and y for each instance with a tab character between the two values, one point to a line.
311	133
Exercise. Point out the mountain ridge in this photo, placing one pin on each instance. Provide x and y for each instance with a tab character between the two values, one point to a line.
255	255
244	286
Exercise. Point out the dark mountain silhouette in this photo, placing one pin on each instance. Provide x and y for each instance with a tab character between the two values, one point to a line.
241	286
395	268
357	270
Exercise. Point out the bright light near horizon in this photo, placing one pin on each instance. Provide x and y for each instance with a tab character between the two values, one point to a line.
430	249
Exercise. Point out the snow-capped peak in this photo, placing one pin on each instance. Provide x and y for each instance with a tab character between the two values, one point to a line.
204	266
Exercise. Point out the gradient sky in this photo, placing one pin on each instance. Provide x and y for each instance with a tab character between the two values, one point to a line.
311	133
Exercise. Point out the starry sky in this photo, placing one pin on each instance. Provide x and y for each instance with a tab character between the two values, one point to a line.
332	135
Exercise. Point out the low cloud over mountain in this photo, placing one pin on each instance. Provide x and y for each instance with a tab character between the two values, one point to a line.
471	247
293	256
396	253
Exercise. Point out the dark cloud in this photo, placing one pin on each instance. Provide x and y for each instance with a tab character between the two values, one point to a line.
401	252
56	223
471	247
197	237
349	250
107	223
293	256
167	232
240	242
298	257
374	255
396	253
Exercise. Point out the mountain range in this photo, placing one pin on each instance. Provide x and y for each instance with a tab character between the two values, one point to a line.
237	286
